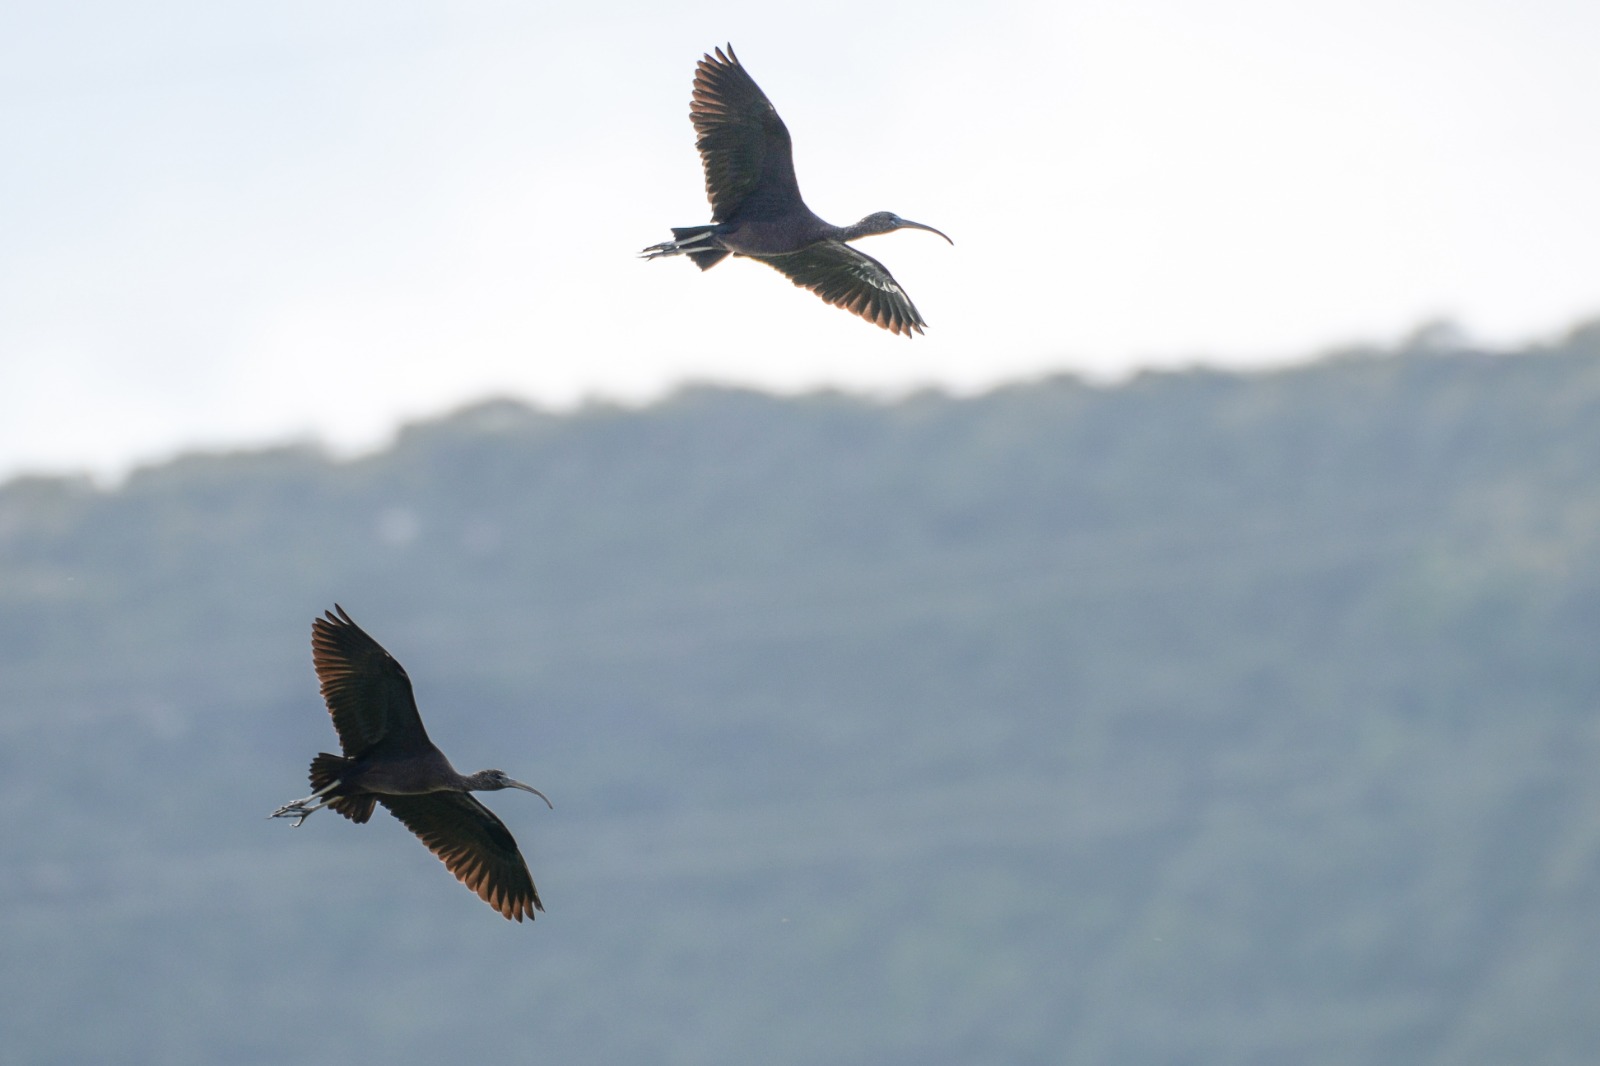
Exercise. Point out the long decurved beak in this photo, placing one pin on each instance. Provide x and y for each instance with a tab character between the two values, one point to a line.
529	788
904	223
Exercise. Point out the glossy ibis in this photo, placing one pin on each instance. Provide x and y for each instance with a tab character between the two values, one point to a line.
389	759
756	209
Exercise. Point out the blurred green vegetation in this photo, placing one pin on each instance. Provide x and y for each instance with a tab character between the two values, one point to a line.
1205	717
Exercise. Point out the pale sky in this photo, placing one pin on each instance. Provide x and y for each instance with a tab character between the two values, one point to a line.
227	225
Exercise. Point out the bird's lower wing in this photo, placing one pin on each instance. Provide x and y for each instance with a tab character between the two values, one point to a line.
852	280
474	845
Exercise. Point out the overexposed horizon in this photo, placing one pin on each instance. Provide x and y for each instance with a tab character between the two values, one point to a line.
231	228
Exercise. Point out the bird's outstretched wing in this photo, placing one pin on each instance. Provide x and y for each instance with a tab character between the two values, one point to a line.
852	280
474	845
744	145
366	689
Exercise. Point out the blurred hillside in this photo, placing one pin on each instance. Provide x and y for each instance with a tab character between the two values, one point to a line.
1204	718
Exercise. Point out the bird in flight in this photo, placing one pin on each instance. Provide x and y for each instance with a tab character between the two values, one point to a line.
756	209
389	759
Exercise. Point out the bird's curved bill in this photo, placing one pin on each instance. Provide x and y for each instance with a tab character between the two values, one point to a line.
930	229
529	788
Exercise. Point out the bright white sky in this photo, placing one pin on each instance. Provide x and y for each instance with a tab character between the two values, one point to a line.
238	224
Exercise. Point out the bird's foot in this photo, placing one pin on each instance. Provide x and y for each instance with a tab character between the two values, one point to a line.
299	810
305	808
697	242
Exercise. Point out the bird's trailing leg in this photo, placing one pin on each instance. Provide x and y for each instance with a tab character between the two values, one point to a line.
684	241
302	809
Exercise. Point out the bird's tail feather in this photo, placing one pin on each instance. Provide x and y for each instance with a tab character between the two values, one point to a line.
325	770
707	260
685	241
704	260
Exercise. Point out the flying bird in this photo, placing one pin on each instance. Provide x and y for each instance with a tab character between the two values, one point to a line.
389	759
756	209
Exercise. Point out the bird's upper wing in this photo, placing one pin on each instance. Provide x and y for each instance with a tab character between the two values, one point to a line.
366	689
852	280
475	846
744	145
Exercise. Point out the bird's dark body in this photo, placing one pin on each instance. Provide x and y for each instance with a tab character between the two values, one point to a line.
389	759
757	210
760	237
419	775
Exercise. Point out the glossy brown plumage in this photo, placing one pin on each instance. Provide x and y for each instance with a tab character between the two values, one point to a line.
757	210
389	759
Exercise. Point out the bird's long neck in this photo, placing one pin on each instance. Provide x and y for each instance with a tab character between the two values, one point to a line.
867	227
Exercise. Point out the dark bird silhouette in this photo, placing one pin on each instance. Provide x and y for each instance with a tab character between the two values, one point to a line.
389	759
756	209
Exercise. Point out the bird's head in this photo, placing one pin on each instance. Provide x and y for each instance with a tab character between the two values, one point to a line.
495	780
888	222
